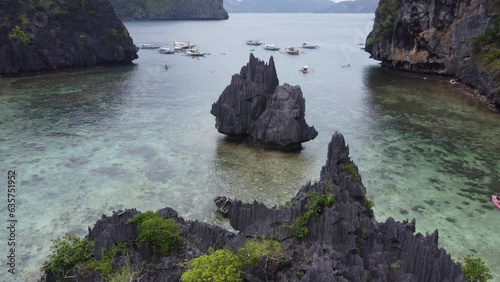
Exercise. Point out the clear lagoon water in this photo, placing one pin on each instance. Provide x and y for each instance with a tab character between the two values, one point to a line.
85	143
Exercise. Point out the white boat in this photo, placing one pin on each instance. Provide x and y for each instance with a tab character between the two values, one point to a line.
253	42
292	51
304	69
165	65
148	46
182	45
165	50
194	53
271	47
309	46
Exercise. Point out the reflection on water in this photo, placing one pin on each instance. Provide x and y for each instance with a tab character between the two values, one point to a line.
250	173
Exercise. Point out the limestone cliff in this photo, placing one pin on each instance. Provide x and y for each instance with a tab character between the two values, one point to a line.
339	241
37	36
170	9
456	38
253	107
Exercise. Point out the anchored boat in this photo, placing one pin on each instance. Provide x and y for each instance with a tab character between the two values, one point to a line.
253	42
271	47
292	51
309	46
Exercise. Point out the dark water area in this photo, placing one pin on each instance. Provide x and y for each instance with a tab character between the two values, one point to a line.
85	143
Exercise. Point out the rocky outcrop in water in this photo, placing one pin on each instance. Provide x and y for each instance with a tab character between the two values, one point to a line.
37	36
253	107
440	37
343	241
170	9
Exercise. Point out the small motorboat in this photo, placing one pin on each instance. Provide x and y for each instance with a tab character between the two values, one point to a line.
165	65
253	42
304	69
148	46
292	51
271	47
348	65
194	53
180	46
309	46
496	200
165	50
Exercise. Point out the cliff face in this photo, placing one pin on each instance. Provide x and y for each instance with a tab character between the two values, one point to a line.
253	107
170	9
340	241
42	35
439	37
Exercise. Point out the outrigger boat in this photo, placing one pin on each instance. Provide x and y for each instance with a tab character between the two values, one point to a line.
194	53
292	51
148	46
253	42
309	46
271	47
164	50
180	46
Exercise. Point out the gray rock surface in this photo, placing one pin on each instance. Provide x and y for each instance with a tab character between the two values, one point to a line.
344	242
435	36
170	9
254	108
55	35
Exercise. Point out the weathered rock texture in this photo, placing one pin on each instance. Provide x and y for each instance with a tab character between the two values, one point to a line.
435	36
344	242
39	35
170	9
255	108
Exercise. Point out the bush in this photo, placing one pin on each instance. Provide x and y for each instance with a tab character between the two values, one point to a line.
221	265
369	202
354	172
105	265
162	235
386	16
18	34
486	47
317	202
253	250
475	270
69	251
370	41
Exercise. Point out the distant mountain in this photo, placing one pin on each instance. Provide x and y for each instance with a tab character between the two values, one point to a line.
276	6
169	9
357	6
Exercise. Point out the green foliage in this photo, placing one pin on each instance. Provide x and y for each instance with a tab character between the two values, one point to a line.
162	235
370	41
395	266
24	19
111	32
386	16
83	36
486	47
104	265
125	274
316	204
475	270
354	172
220	265
84	4
125	33
253	250
68	251
369	202
18	34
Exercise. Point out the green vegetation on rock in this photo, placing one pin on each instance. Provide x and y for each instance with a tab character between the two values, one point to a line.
18	34
163	235
486	48
316	204
104	265
225	265
475	270
68	251
354	172
386	16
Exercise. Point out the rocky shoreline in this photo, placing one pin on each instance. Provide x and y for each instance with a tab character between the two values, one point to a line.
437	37
327	232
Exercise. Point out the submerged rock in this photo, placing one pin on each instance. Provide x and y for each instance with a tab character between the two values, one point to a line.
341	241
38	36
254	108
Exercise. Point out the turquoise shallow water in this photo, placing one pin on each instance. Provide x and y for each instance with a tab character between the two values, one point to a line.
89	142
